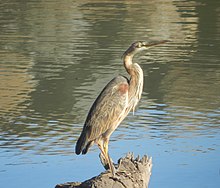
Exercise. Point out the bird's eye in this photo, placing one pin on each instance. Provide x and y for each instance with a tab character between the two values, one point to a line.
138	44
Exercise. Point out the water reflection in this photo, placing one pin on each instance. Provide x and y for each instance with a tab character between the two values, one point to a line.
55	57
16	82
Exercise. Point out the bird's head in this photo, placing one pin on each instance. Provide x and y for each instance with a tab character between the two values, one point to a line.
140	46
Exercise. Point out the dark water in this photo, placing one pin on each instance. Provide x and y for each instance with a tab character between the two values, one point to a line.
56	56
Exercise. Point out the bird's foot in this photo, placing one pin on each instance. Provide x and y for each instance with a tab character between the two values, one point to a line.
115	176
105	163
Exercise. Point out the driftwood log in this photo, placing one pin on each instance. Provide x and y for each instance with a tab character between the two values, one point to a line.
131	173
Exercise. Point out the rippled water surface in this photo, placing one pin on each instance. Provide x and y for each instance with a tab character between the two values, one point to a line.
55	58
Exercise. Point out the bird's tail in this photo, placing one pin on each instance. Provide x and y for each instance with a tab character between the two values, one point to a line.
80	144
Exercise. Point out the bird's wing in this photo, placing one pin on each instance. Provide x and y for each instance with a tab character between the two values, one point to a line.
106	113
108	107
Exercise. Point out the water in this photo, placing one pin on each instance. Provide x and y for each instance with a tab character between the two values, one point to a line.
55	57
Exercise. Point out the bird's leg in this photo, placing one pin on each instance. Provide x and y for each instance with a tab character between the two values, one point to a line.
105	158
104	161
110	163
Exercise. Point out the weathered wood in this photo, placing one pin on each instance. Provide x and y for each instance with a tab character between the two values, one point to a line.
131	173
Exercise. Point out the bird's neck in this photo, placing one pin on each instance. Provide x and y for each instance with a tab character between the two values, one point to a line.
136	80
128	63
133	69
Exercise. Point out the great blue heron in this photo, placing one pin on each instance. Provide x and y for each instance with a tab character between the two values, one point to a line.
113	104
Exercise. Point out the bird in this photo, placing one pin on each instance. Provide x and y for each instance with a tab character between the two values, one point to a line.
116	100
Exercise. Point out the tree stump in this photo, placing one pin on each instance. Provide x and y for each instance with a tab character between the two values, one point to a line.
131	173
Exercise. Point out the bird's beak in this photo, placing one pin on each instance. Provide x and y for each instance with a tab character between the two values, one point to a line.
153	43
